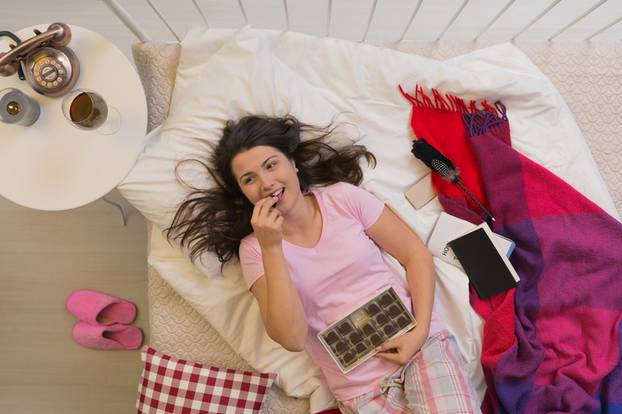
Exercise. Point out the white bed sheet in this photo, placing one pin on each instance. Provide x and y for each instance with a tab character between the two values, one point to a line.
362	79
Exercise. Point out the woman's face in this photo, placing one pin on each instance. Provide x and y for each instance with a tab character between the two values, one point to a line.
263	171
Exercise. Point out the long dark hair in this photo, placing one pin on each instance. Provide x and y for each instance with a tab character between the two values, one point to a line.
218	218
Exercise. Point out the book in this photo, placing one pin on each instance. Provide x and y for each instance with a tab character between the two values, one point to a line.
449	227
488	269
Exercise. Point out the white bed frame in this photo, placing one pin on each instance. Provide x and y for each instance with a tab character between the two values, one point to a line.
487	22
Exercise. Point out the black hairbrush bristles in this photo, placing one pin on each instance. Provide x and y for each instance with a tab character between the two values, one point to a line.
441	165
447	171
434	160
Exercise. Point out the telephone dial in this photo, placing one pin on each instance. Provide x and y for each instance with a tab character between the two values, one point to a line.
48	65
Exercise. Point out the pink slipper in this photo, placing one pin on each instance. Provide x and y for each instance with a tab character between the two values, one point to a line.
98	308
107	337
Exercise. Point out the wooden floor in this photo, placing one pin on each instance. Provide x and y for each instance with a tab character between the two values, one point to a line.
43	257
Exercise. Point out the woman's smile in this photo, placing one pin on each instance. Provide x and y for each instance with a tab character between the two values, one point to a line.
279	194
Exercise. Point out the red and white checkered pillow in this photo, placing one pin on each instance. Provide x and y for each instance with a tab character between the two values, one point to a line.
171	385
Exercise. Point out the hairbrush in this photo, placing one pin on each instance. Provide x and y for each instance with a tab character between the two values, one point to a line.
441	165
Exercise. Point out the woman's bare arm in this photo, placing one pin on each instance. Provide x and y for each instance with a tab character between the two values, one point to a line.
400	241
279	303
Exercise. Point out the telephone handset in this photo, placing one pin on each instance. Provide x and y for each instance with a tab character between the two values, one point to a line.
51	68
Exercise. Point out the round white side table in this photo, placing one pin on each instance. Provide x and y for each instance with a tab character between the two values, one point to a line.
52	165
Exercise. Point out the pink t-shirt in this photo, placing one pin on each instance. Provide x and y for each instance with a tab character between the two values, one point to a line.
342	272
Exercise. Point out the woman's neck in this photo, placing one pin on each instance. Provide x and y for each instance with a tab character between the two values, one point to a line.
301	218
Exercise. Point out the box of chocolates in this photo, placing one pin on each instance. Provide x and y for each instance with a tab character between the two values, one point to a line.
355	338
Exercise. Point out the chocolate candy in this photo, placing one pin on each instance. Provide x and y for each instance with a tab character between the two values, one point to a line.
382	319
386	300
375	339
373	309
394	311
402	321
345	328
355	337
368	330
340	347
389	329
332	337
349	358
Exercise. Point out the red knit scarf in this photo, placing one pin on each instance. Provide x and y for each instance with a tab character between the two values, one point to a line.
440	122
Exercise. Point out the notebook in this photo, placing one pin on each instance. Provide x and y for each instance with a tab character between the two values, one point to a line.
449	227
489	270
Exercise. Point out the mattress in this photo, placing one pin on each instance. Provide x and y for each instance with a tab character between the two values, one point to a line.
587	75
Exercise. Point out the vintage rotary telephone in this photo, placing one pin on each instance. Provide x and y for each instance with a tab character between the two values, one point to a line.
51	68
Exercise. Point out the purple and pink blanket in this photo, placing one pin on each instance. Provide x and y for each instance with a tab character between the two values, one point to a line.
552	344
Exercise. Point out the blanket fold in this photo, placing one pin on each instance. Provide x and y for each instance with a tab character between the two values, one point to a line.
553	343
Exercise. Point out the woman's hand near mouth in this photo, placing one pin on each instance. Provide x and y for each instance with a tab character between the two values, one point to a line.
267	222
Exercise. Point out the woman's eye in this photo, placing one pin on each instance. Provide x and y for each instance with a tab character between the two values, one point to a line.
247	181
271	165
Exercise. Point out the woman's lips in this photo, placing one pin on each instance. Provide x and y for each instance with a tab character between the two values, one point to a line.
280	196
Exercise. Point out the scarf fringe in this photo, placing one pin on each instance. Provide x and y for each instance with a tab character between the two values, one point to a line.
450	103
479	123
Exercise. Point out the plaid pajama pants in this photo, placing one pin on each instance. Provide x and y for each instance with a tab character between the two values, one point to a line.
432	382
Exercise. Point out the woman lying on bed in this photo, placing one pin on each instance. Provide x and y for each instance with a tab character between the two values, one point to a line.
308	240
